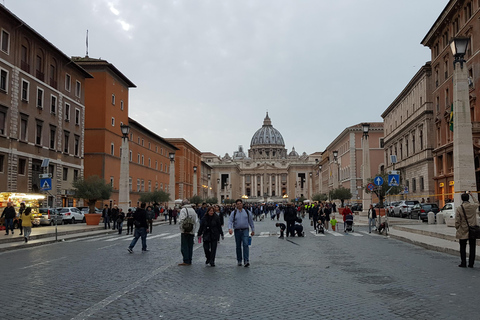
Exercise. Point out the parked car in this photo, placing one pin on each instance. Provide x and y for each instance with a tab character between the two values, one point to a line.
86	209
357	207
390	207
72	215
448	210
404	208
421	210
50	216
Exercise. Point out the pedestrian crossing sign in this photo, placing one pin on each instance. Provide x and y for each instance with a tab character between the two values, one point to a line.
393	180
46	184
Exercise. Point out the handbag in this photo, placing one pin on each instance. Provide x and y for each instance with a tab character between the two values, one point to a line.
473	231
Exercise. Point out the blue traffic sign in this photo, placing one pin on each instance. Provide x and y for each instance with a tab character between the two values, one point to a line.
46	184
378	180
406	190
393	180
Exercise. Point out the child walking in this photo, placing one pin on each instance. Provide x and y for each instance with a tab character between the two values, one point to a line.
333	222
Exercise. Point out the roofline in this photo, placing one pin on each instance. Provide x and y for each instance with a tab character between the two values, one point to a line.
437	22
173	140
22	23
423	70
355	127
92	62
136	123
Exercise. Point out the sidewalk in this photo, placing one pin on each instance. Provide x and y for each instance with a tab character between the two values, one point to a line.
47	234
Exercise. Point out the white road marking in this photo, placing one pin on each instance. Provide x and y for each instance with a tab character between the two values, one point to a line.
172	236
336	234
317	234
44	262
264	234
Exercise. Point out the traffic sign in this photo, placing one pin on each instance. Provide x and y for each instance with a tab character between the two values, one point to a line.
378	180
371	186
45	175
393	180
46	184
406	190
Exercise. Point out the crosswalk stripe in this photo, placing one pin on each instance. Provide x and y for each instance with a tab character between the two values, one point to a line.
108	237
336	234
118	238
157	236
264	234
317	234
355	234
172	236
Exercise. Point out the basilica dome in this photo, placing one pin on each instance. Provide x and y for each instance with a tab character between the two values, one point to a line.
267	135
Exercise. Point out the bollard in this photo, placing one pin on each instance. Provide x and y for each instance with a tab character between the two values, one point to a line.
440	218
431	218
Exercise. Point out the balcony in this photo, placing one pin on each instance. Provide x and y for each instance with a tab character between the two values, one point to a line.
25	66
40	75
53	83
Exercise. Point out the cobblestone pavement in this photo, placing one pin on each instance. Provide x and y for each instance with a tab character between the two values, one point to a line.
335	276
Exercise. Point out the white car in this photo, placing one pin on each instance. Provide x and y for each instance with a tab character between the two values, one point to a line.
71	215
448	210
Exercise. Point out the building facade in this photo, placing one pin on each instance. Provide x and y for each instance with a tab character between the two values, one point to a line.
460	18
409	136
42	113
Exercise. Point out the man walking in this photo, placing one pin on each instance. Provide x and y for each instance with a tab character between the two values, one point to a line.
290	216
372	218
141	228
106	216
465	216
187	221
9	214
239	222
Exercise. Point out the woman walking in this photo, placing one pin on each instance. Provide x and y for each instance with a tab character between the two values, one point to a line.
211	229
27	218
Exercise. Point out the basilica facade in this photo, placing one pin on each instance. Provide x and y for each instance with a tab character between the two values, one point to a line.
266	173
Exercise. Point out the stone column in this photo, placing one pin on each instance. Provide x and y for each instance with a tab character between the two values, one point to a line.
124	188
171	184
366	198
243	184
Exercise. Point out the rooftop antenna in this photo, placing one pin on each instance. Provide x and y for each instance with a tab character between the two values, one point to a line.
86	55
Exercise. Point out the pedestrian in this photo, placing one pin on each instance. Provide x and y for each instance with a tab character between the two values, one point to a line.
239	222
120	218
372	218
299	227
290	216
150	216
282	227
210	230
20	211
188	221
27	219
9	214
316	211
327	212
174	215
106	216
141	228
129	222
333	222
465	216
113	218
346	211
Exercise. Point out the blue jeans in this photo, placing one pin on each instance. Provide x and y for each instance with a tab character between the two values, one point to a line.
186	247
140	232
371	223
8	224
106	221
120	227
241	239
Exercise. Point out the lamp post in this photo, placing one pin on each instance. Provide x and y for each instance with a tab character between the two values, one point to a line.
320	177
310	183
171	184
218	191
463	161
337	178
195	191
208	185
366	200
124	188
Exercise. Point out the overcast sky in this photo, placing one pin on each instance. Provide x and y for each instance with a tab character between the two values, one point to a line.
208	70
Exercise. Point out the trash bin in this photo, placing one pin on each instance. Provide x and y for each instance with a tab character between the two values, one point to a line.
431	217
440	218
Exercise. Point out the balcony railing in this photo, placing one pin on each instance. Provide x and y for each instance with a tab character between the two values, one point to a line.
40	75
53	83
25	66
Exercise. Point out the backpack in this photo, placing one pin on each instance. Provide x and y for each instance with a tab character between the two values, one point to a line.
188	223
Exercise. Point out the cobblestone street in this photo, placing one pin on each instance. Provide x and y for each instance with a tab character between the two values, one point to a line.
335	276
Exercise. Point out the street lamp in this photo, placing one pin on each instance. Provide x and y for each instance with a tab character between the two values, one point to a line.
218	191
124	188
335	155
171	186
337	180
463	160
208	183
310	183
366	200
195	191
320	178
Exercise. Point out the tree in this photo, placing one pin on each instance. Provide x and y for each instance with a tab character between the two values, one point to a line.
155	197
319	197
212	200
92	189
196	199
341	194
382	191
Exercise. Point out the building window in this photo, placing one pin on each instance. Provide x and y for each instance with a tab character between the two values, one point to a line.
22	166
3	117
138	158
414	184
66	136
149	146
149	186
76	147
77	117
130	184
112	149
421	139
121	104
65	174
142	142
53	133
113	99
149	163
161	166
68	82
131	155
78	89
422	184
3	80
2	160
53	104
111	182
23	127
25	85
75	175
143	185
138	185
143	160
53	75
5	42
38	134
113	122
156	165
67	112
40	98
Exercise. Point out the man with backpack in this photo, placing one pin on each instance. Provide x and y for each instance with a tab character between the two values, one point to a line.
187	222
239	222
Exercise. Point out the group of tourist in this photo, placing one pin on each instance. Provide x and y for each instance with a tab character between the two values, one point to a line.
25	218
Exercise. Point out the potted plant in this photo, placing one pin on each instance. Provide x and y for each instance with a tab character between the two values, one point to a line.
92	189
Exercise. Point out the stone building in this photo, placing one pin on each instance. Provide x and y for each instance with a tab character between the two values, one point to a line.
42	113
409	136
460	18
266	172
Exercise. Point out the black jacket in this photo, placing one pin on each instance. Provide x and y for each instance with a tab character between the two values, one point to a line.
290	214
210	228
141	216
9	213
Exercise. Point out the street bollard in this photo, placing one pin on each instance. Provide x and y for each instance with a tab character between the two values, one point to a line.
440	218
431	218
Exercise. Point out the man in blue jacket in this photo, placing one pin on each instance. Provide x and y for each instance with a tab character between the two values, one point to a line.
239	222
